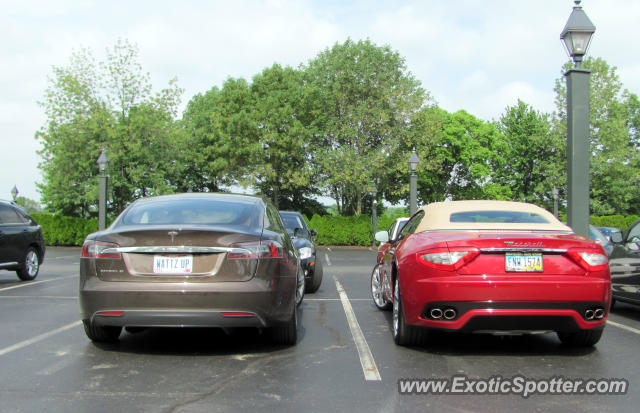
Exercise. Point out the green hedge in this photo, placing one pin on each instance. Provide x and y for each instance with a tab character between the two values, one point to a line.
616	221
332	230
65	231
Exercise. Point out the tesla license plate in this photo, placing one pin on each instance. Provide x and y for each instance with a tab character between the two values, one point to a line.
523	262
172	264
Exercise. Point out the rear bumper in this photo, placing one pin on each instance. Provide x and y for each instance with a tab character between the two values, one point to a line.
255	303
485	303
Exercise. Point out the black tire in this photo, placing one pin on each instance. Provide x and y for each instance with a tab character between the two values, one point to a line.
101	334
30	265
404	334
286	334
316	280
300	285
376	290
584	338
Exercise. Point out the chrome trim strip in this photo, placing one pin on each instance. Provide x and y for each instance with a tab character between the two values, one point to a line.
181	249
500	231
8	264
555	250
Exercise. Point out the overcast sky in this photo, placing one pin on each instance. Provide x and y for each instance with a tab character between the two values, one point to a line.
479	55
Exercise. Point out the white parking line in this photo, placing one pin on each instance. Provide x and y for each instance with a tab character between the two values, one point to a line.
28	283
36	339
367	362
326	257
66	256
622	326
335	299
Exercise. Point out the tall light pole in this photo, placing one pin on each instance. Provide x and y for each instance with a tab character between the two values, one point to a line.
413	181
374	212
103	162
14	193
576	37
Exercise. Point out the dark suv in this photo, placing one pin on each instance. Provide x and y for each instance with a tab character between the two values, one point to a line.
21	242
303	240
624	263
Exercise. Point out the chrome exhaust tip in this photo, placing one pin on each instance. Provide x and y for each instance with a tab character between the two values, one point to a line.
589	314
449	314
436	313
598	314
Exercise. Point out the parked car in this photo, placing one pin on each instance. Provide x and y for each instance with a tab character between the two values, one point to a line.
600	238
376	291
21	242
609	232
192	260
625	265
303	239
494	267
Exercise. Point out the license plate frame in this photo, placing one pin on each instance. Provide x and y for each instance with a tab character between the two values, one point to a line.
180	264
523	262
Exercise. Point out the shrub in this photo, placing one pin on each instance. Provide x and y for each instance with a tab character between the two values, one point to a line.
65	231
616	221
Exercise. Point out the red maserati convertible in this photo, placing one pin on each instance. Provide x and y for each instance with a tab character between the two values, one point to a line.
492	267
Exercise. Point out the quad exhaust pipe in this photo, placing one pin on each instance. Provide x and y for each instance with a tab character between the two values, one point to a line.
439	313
596	313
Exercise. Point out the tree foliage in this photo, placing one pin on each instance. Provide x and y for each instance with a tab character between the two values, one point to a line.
92	106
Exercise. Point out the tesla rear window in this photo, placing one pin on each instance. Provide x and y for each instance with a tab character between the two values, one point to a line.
192	212
516	217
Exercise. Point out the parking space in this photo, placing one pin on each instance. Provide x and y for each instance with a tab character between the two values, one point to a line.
46	361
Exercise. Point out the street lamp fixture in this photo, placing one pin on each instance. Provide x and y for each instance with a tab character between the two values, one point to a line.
577	34
14	193
413	181
103	162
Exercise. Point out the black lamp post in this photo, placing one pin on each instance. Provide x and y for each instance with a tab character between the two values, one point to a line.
374	213
576	37
14	193
413	181
103	162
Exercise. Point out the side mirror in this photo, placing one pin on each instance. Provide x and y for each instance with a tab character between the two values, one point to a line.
616	237
382	236
300	233
314	232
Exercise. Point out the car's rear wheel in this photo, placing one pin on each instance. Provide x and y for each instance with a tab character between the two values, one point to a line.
376	290
584	338
286	334
316	280
101	334
30	265
403	333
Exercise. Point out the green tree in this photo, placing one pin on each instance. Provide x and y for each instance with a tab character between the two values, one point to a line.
535	155
613	139
365	99
109	105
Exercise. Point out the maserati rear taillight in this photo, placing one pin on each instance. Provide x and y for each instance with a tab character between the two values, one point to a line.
99	249
448	259
591	259
261	249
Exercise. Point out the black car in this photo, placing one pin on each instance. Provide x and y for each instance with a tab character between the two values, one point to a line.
21	242
303	240
624	263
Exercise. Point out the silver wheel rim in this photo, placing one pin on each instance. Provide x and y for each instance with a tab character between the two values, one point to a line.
31	263
396	309
300	286
376	291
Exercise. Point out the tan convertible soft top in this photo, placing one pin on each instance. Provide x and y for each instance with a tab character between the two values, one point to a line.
438	216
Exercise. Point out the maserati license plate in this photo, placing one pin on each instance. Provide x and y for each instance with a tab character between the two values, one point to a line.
518	262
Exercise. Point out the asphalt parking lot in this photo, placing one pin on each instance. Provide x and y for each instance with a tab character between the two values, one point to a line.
345	359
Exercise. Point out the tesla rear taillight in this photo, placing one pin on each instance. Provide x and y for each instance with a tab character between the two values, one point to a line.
448	259
261	249
591	259
99	249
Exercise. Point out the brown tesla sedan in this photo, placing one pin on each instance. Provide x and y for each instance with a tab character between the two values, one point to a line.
192	260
